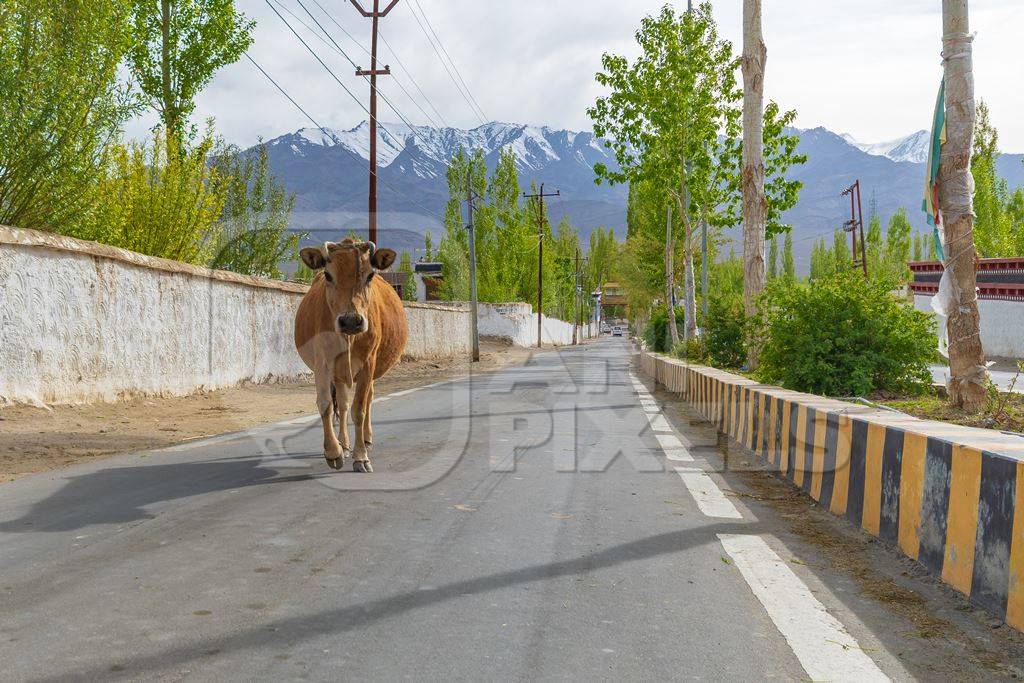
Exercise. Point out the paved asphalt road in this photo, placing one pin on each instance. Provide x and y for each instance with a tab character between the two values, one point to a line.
554	521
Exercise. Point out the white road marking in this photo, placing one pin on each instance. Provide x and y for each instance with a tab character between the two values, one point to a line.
669	442
659	424
710	499
679	455
821	643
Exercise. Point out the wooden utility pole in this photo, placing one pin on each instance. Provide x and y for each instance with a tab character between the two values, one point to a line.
540	254
472	271
670	279
956	189
755	205
375	15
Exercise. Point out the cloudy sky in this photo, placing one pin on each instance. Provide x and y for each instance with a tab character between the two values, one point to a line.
868	68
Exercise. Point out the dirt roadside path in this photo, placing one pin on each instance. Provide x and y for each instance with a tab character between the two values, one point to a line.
38	439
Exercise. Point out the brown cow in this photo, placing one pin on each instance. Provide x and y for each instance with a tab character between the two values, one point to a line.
350	329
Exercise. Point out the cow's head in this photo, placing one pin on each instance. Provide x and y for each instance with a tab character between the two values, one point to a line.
348	269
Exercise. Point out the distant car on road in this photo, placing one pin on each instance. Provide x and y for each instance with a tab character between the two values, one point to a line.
606	329
617	331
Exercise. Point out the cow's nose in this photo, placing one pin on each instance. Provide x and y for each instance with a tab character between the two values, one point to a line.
350	322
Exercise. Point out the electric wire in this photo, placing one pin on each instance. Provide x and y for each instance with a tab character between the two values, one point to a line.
437	52
451	61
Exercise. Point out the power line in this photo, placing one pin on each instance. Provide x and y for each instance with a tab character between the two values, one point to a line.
426	18
317	57
445	66
354	65
330	133
373	118
411	78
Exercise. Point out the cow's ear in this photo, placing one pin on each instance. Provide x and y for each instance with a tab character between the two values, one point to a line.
383	258
313	257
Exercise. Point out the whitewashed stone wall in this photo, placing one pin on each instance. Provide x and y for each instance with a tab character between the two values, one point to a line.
82	322
1002	325
517	323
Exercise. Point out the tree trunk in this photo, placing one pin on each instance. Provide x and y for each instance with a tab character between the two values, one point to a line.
956	190
169	109
689	289
670	279
755	205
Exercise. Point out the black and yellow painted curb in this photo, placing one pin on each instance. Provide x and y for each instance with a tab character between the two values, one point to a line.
950	497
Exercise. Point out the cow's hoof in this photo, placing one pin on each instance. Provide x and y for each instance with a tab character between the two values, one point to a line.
362	466
335	463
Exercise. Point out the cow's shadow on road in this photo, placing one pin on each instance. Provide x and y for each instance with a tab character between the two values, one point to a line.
120	495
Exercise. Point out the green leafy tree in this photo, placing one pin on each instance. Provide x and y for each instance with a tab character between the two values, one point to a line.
788	264
254	235
841	259
666	116
874	246
428	246
996	233
773	258
60	105
897	247
405	267
178	46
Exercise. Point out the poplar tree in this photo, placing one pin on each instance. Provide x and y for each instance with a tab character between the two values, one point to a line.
773	259
178	46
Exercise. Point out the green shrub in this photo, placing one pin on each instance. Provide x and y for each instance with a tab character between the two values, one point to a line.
160	199
723	331
657	335
693	350
842	336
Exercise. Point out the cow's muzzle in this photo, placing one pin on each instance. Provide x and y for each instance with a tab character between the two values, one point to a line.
351	323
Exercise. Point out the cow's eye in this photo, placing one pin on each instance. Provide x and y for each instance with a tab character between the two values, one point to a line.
327	276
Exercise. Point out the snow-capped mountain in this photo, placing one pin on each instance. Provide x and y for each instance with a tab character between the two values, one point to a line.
327	171
912	148
535	147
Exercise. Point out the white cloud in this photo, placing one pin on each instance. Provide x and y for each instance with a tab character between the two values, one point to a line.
870	68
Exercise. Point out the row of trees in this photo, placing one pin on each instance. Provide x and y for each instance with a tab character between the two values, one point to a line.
72	72
674	118
507	232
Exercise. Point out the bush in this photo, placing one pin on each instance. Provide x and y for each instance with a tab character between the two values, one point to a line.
842	336
159	199
657	335
693	350
723	331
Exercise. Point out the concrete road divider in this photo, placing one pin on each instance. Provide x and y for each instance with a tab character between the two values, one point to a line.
949	497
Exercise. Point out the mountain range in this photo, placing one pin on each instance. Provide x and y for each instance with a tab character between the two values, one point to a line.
327	171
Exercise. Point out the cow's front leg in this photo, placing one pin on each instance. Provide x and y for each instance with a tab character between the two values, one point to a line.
343	402
361	418
367	422
332	449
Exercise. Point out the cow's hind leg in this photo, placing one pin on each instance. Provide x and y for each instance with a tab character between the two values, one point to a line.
325	404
